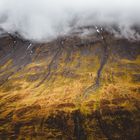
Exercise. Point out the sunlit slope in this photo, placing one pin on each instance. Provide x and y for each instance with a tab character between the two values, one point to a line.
50	91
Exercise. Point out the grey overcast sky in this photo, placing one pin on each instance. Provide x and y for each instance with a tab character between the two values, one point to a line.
45	19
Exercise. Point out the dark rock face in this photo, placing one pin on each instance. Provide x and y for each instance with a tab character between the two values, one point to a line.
70	89
117	125
79	131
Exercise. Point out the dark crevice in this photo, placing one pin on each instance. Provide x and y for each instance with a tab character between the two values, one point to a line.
53	62
79	131
103	61
104	57
102	126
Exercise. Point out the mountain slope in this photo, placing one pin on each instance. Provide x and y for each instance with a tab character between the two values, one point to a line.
74	87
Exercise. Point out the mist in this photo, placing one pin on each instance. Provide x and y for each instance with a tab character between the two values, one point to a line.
42	20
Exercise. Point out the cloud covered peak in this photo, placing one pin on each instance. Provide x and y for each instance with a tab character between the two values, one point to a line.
46	19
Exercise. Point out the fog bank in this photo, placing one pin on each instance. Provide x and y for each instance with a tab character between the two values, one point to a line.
41	20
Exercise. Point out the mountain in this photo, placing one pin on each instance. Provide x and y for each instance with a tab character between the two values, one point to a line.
75	87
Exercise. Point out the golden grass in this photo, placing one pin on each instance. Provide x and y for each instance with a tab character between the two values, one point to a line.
67	88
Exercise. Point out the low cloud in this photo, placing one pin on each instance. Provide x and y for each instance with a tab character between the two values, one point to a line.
41	20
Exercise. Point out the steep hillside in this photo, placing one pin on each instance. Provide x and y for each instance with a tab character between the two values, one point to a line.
72	88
